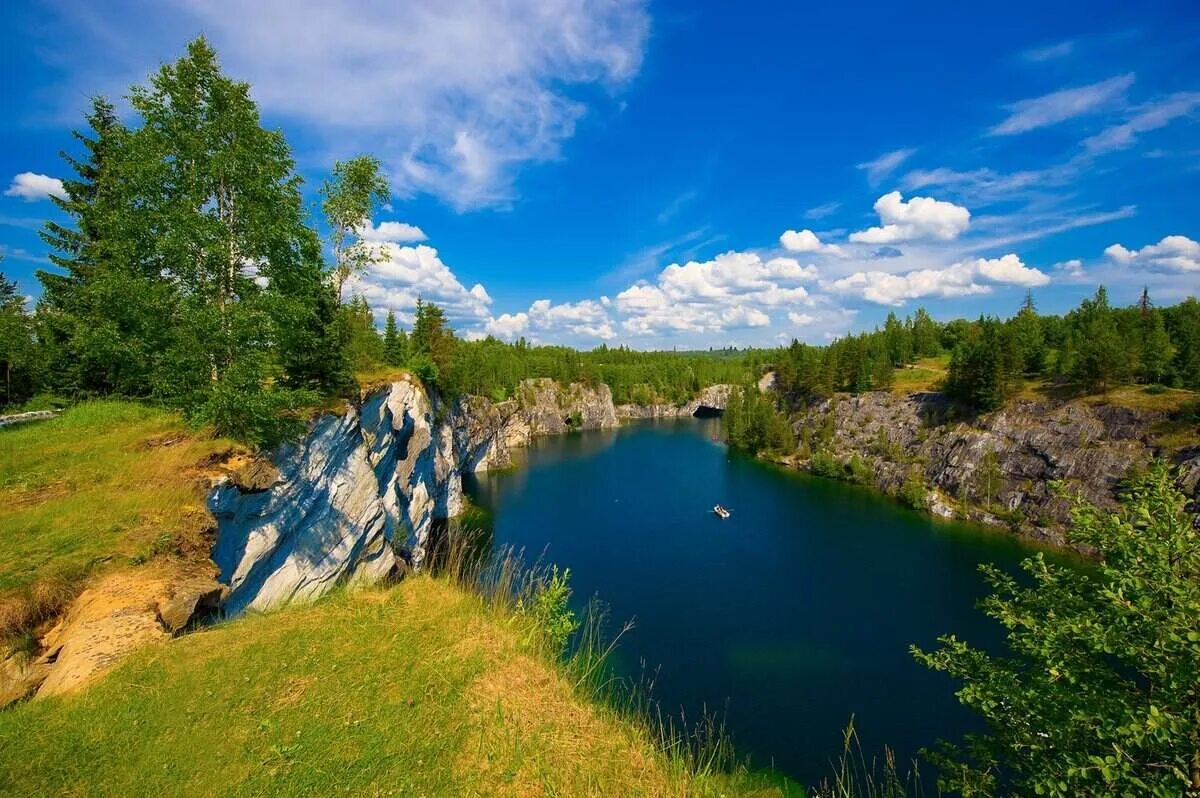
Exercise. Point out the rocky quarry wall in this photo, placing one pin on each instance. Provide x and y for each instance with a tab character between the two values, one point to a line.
1090	448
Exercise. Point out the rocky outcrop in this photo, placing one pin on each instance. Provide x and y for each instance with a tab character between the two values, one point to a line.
551	409
118	613
360	489
32	415
649	411
1005	460
710	401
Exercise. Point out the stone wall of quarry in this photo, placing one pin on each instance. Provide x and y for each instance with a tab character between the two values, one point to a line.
1090	448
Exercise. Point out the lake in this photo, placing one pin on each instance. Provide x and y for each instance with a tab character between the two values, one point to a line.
788	617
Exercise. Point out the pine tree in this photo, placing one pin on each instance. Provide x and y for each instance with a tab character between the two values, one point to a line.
102	322
16	343
1101	355
1156	349
395	342
1030	340
432	337
882	374
898	341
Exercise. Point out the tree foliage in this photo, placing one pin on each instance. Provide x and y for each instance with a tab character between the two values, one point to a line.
16	345
754	424
190	272
1101	692
349	198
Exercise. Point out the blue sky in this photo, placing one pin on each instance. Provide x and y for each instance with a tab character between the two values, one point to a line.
686	174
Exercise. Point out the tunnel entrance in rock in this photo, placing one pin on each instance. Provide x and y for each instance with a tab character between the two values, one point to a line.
704	411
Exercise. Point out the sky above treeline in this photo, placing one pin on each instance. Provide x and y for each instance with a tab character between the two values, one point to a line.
682	174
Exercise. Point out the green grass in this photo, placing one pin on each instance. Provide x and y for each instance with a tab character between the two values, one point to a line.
925	374
418	689
107	481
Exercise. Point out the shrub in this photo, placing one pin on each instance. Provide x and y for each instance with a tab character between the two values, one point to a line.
239	406
859	470
426	370
553	618
823	464
1097	695
913	492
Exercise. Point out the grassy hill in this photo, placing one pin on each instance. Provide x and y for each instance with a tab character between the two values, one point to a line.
417	689
106	484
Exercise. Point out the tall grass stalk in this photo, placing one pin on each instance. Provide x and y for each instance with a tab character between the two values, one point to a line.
854	776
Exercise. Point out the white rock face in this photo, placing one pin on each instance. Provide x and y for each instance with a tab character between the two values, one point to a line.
361	487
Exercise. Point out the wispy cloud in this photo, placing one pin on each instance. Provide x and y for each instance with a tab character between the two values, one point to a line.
650	258
884	165
676	205
1145	118
1059	106
821	211
461	94
1049	52
1019	227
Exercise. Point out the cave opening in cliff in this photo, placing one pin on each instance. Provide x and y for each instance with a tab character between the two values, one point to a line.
704	411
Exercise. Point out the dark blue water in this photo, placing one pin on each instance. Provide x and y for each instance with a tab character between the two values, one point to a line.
791	616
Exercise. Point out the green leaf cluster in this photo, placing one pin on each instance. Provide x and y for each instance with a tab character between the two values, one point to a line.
1100	694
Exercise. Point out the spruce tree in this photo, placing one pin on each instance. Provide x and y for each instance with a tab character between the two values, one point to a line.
395	342
16	344
1101	355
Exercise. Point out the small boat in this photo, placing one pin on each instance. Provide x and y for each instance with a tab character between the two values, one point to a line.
720	511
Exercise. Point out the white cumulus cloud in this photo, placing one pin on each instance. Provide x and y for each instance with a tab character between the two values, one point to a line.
397	232
1072	268
919	218
1173	253
734	290
964	278
1011	271
807	241
407	272
31	186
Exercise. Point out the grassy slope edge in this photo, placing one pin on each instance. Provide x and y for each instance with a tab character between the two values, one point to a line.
107	484
416	689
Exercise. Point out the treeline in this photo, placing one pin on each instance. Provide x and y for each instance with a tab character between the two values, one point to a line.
493	368
857	363
1091	349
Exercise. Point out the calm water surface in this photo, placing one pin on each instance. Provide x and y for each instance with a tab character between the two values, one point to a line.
791	616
